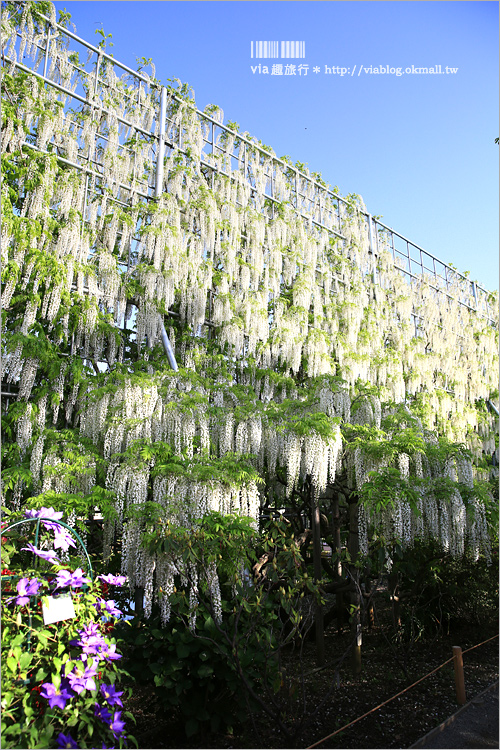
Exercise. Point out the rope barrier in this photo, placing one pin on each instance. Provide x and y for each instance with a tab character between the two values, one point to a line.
355	721
480	644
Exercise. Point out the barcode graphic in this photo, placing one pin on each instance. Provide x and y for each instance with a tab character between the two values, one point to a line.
291	50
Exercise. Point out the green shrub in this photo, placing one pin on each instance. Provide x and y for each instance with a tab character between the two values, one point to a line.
216	663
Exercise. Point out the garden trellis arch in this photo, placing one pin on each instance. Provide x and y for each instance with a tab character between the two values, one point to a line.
135	210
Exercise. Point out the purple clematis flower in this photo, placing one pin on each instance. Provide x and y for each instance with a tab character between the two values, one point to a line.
26	587
89	630
56	697
117	725
66	740
48	554
91	640
109	607
63	540
80	681
102	713
93	645
46	513
113	580
109	654
111	695
67	578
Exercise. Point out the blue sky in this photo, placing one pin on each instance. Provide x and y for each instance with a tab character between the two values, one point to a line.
419	149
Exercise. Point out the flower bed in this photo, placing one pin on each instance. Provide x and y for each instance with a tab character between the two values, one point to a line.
60	670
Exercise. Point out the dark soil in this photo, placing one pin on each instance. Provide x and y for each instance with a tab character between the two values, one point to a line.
387	669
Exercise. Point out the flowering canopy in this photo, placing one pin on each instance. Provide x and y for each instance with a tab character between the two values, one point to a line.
281	305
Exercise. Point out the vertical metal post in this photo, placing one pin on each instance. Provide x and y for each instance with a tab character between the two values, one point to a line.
46	61
98	65
167	346
210	305
458	665
372	248
84	208
474	292
161	144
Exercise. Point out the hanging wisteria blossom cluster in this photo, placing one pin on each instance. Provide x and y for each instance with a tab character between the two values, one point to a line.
105	239
280	284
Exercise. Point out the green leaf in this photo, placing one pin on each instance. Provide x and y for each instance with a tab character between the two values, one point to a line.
205	670
191	726
183	650
156	668
12	664
25	660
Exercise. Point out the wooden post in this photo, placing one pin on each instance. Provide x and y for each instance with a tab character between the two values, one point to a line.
139	600
318	609
393	585
459	675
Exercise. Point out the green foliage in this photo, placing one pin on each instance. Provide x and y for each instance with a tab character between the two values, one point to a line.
229	469
215	666
191	673
439	592
386	486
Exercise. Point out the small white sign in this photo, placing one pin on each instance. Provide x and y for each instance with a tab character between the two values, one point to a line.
58	608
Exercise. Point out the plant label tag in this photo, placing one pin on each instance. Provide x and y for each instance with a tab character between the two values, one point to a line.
58	608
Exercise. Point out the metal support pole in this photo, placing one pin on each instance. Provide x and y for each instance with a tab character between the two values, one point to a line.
97	66
46	61
372	248
168	346
494	408
458	665
161	144
474	292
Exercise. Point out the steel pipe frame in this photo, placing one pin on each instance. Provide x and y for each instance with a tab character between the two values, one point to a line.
274	160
